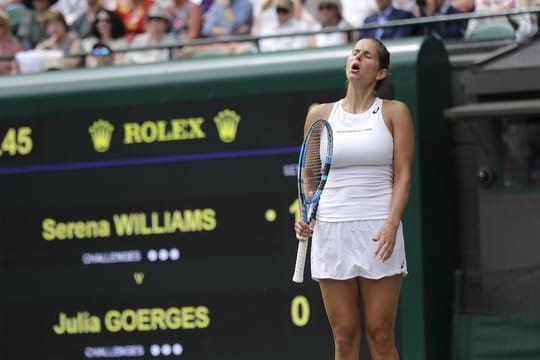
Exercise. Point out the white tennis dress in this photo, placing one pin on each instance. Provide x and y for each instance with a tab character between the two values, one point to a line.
356	200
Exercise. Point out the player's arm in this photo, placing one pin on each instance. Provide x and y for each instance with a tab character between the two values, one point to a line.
403	133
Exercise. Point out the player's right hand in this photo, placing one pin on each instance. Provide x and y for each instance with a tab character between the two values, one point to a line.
303	231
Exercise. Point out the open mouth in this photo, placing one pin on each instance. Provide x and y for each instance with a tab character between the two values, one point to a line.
355	67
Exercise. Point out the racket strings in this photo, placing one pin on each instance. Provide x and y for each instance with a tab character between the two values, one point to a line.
312	170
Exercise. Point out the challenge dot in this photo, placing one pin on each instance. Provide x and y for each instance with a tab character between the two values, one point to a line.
174	254
166	349
152	255
163	254
155	350
270	215
177	349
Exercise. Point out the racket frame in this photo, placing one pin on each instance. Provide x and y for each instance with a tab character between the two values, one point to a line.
308	207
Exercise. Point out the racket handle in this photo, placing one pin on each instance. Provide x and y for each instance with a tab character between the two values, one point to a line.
298	276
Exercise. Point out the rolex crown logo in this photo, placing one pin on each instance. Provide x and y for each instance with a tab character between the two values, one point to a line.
101	133
227	125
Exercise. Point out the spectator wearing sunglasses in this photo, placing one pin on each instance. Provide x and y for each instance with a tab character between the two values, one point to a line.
156	35
108	29
329	14
283	21
265	13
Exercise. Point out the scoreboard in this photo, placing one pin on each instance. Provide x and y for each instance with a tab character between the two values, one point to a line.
156	231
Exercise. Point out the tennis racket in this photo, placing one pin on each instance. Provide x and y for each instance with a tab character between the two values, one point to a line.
313	167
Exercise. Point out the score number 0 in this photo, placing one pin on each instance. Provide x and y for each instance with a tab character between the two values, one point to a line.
300	309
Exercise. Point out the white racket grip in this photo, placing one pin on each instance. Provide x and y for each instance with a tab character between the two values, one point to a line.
301	254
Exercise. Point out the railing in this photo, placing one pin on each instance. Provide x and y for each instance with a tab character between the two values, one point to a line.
417	21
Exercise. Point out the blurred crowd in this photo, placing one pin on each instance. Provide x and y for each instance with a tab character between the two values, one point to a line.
38	34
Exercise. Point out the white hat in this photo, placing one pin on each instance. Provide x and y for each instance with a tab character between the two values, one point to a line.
284	4
159	12
313	6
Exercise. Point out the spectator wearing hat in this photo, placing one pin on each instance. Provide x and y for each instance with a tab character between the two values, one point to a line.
266	14
386	12
61	39
329	14
107	29
156	35
8	45
32	29
283	22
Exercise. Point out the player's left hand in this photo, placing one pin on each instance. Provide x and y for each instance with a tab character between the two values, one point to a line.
386	239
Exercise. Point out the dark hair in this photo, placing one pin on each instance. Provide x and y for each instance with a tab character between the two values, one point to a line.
384	58
117	25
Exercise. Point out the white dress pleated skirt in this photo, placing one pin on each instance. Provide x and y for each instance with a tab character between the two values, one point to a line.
345	250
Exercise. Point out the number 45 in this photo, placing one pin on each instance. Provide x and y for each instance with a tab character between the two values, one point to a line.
17	141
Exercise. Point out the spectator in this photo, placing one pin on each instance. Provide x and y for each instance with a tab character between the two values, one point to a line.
32	28
134	14
329	15
101	55
61	39
82	26
443	30
155	35
266	14
70	9
386	12
186	18
228	17
355	11
526	25
107	29
8	45
480	6
283	21
16	10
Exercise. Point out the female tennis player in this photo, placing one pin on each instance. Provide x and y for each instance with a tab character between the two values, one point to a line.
358	254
